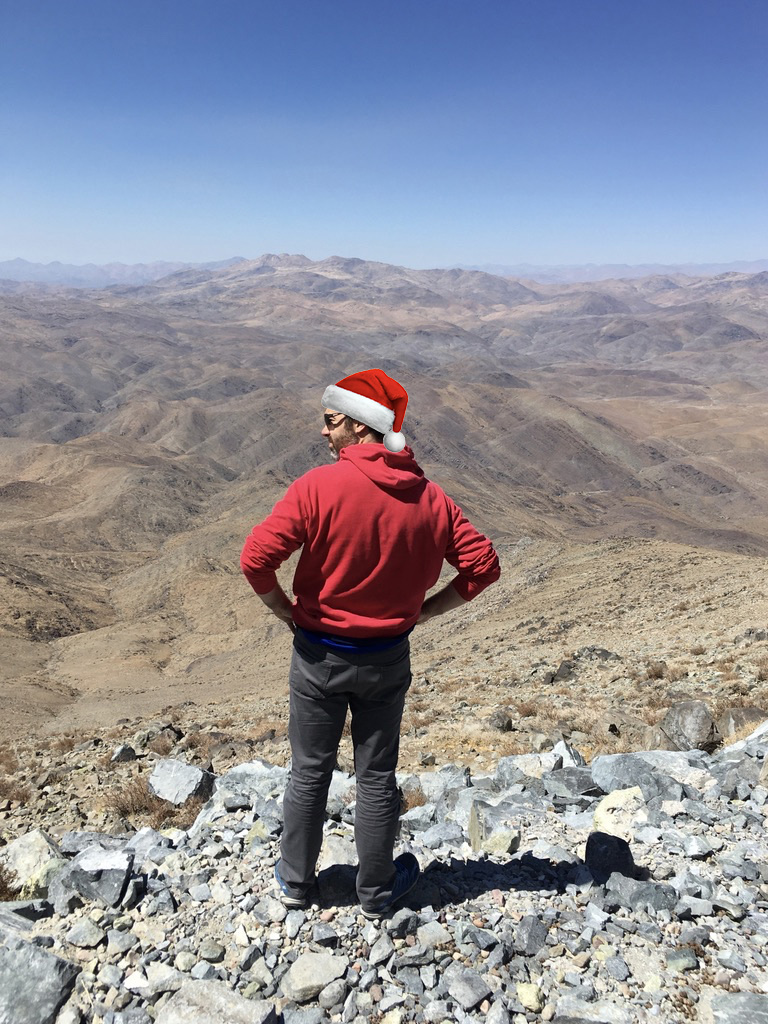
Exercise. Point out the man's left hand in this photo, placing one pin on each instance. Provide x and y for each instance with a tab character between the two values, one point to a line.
277	602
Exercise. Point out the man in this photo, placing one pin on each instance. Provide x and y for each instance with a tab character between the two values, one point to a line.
374	533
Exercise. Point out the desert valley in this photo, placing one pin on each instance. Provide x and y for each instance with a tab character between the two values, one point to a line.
611	437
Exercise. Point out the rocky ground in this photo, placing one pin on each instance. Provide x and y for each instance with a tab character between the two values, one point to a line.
629	890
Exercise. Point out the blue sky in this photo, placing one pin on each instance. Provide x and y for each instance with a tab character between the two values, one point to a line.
417	132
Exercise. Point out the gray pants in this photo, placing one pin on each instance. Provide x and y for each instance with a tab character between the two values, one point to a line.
324	683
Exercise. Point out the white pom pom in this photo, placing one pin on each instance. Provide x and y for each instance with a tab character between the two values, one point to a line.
394	442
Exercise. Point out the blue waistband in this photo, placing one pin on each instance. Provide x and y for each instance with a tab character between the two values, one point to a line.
354	645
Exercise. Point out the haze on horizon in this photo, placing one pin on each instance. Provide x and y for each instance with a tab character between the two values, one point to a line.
425	134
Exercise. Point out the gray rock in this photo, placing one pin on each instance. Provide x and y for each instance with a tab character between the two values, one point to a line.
255	780
34	859
690	726
310	973
75	842
626	892
466	986
740	1008
573	1010
333	994
530	935
213	1002
34	985
500	720
123	753
101	875
491	827
735	719
570	783
570	756
176	782
683	959
85	934
444	833
419	818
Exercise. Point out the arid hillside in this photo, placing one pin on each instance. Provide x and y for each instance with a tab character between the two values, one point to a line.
618	425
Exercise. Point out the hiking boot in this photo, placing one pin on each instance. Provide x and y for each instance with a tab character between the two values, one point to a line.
407	873
293	899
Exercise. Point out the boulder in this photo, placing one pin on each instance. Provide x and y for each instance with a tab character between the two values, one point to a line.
176	782
34	984
619	723
100	875
734	720
213	1002
620	813
690	726
34	859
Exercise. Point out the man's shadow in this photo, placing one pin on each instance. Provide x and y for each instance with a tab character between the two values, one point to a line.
459	880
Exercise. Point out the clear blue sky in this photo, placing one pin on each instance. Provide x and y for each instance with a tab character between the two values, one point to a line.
419	132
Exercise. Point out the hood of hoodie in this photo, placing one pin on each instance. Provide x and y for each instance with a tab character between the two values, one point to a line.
395	471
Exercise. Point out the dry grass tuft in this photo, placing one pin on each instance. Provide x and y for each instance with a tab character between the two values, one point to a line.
63	744
136	803
161	745
413	798
12	789
9	886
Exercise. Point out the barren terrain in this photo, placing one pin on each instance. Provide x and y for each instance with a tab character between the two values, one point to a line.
610	438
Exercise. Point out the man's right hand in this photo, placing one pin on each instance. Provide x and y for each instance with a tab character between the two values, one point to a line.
443	601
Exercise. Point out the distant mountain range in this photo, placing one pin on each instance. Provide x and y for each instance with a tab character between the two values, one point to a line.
581	273
91	275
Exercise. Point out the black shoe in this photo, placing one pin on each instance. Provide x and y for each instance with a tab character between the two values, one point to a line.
289	897
407	873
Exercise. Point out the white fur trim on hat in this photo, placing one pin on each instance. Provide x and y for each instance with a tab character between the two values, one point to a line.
364	410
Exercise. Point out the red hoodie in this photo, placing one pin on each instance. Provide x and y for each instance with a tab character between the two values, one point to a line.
375	532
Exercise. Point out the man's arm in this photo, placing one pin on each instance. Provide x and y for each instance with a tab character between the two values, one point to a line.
268	545
443	601
278	603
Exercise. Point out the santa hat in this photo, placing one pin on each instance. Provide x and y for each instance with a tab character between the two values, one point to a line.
373	398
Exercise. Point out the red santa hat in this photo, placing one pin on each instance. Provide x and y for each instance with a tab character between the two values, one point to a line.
373	398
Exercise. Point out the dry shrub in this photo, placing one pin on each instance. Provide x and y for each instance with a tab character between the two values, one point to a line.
132	799
676	672
413	798
510	744
527	708
9	886
138	804
12	789
63	744
161	745
201	742
656	669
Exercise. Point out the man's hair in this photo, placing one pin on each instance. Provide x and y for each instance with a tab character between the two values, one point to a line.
379	437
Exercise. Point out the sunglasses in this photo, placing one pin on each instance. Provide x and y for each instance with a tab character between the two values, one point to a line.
330	418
